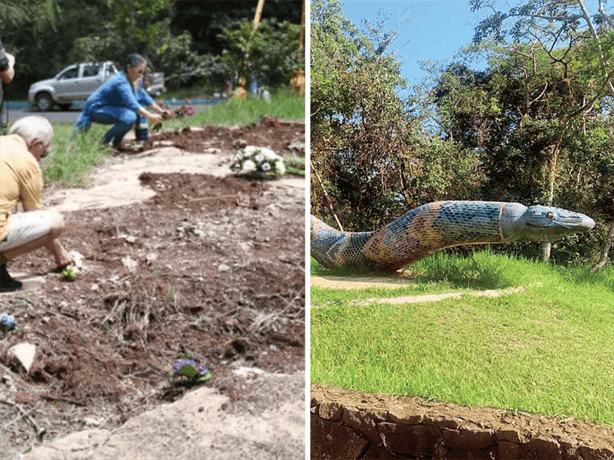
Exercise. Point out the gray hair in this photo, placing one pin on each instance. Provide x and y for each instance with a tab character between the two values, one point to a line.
33	128
132	60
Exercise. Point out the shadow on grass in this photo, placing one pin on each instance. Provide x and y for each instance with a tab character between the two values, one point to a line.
480	271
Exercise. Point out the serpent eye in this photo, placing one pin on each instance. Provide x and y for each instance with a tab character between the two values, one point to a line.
549	215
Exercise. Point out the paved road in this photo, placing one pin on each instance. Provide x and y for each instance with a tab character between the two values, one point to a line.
64	116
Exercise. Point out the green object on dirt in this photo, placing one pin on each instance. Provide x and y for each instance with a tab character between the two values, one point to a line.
69	273
189	369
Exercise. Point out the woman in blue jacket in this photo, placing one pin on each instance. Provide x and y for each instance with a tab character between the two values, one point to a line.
118	102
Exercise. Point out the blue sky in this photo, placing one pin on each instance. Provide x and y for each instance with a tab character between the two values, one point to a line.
432	30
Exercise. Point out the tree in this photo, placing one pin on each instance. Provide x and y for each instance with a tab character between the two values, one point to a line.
555	24
179	38
369	162
274	53
26	27
510	114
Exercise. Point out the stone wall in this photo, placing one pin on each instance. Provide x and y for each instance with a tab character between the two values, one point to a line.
351	425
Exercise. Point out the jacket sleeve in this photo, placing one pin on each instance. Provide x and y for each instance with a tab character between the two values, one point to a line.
144	98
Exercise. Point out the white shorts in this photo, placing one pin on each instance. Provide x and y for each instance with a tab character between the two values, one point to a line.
25	227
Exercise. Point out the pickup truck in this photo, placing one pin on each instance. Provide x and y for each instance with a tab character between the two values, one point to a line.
74	83
77	82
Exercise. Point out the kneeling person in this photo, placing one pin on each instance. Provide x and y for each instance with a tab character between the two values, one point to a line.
21	181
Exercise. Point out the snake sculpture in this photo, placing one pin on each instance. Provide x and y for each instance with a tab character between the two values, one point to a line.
443	224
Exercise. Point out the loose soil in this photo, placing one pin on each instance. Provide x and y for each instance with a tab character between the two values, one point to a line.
210	267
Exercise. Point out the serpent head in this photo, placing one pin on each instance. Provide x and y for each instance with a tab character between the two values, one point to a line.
541	223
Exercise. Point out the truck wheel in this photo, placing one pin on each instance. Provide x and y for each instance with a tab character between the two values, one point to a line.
43	102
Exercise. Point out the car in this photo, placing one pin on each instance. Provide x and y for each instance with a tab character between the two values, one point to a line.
154	84
74	83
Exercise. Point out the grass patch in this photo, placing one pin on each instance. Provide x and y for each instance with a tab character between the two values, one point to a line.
72	156
285	105
295	165
546	349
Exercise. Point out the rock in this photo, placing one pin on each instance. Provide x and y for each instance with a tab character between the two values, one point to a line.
129	263
24	353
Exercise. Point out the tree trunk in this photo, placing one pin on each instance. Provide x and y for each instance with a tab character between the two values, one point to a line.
604	252
546	249
554	158
330	206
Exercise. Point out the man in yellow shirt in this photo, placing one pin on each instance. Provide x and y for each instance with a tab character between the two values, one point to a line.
21	181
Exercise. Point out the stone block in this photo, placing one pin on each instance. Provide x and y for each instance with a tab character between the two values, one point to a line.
589	453
477	454
546	449
508	451
569	451
440	422
364	423
467	439
330	411
509	436
333	441
404	416
419	440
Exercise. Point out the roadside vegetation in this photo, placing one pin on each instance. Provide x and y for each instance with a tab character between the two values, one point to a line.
544	347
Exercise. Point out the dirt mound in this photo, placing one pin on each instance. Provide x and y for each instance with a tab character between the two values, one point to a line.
283	137
208	267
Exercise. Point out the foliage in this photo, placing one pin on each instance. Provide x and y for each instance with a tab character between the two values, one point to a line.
178	38
273	51
539	115
69	274
188	368
369	162
38	13
143	27
550	21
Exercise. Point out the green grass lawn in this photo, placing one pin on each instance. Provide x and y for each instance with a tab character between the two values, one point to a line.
73	157
546	349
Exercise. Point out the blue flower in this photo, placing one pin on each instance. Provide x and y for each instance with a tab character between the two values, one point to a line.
7	323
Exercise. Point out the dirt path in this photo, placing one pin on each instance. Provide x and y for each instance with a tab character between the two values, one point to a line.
180	259
340	282
202	425
116	183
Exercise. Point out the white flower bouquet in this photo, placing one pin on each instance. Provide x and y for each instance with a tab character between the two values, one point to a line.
258	162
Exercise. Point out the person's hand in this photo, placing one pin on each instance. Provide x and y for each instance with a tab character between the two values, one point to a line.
155	118
166	114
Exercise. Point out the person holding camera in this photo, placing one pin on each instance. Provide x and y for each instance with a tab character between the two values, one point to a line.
7	71
120	101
